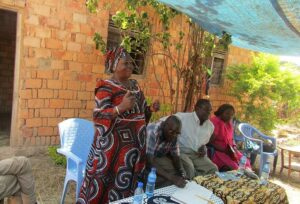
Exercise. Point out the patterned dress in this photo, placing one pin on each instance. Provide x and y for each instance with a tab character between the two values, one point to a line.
117	156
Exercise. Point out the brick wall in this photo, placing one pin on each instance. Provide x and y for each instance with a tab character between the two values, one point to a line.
220	94
59	67
7	57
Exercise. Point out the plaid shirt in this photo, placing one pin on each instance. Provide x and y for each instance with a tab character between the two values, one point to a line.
156	144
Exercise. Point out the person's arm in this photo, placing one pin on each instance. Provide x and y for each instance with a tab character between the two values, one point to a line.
202	151
178	166
177	180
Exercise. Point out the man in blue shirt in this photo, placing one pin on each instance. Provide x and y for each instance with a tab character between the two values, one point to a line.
163	152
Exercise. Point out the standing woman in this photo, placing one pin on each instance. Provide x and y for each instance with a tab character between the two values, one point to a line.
226	155
117	156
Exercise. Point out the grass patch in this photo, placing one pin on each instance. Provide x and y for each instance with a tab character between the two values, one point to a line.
57	158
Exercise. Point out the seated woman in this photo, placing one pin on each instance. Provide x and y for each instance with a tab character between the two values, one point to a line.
226	155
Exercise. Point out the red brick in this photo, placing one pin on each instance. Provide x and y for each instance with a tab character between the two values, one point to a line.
20	3
31	62
53	22
85	113
53	122
45	131
65	94
80	38
83	95
35	103
54	84
75	104
74	85
32	20
71	46
25	94
75	66
90	105
56	103
27	132
67	113
24	113
41	9
34	122
79	18
32	41
47	112
33	83
45	93
85	77
57	64
45	74
53	44
87	58
41	53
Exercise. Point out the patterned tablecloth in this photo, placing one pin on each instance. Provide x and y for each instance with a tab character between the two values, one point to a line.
244	190
169	190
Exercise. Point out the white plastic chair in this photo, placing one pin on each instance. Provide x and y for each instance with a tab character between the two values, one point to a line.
76	137
248	132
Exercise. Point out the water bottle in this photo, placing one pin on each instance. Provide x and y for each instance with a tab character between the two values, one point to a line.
242	165
138	194
151	183
265	174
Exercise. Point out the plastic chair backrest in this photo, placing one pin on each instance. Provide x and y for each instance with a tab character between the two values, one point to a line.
76	136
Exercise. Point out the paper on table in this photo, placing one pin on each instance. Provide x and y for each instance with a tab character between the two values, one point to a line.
193	193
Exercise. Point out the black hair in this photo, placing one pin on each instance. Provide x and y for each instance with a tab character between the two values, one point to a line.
223	108
201	102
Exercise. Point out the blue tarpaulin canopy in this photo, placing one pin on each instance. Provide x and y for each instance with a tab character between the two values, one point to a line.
271	26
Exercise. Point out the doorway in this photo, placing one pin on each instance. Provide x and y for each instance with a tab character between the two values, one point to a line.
8	29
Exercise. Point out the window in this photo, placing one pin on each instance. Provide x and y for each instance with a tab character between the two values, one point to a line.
217	66
114	40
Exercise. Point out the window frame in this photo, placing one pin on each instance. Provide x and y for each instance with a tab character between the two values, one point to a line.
220	54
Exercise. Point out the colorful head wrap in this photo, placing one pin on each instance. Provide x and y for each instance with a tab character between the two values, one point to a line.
113	56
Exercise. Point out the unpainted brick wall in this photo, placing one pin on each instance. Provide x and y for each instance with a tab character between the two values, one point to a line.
59	66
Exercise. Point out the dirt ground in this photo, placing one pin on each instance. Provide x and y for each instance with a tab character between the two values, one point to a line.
49	177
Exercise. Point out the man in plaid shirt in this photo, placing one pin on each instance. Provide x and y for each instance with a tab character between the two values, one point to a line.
163	152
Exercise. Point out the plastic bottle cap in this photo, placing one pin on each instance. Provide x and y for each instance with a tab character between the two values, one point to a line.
140	184
153	169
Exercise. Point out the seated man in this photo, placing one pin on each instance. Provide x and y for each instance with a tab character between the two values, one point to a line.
15	179
163	152
195	134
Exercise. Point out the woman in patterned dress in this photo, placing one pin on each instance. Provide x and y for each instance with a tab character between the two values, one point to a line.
117	156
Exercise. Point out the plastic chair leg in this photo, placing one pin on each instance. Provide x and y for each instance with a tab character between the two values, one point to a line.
275	163
66	183
263	159
78	186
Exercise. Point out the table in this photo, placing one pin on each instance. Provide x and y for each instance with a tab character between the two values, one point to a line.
292	151
169	190
244	190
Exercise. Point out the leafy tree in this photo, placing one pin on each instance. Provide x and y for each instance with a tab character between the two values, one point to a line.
264	90
185	55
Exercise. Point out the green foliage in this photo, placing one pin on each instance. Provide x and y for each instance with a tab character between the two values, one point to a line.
264	91
99	42
57	158
165	109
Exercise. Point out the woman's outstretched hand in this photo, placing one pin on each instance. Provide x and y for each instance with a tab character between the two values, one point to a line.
155	106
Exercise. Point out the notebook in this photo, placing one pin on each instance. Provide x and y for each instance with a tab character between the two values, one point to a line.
192	193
